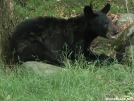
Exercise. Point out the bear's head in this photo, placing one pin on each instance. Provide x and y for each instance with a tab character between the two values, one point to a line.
99	23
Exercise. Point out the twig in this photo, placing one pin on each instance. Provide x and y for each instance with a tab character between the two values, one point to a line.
126	5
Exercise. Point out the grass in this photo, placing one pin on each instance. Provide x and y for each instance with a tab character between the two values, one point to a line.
59	8
76	84
94	83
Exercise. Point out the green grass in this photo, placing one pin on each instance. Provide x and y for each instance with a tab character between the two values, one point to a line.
59	8
91	84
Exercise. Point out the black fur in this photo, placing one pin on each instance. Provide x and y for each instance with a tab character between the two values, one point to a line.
44	38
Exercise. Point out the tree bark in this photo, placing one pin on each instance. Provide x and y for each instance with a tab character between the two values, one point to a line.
124	45
7	23
124	39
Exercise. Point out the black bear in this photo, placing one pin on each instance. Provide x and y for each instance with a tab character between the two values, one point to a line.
44	38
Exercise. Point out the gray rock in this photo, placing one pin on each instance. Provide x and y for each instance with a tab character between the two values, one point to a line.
41	68
125	18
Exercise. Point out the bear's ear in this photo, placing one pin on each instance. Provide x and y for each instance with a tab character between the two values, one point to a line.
106	8
88	12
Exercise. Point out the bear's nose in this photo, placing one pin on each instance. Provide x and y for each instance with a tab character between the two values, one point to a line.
116	32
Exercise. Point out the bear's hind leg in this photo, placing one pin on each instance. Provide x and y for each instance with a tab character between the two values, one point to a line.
37	51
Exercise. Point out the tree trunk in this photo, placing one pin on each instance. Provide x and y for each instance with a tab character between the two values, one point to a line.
124	39
7	23
124	45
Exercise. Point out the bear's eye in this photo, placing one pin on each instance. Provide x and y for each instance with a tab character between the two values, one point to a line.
106	23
